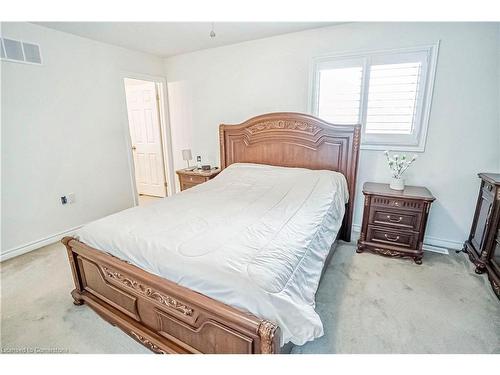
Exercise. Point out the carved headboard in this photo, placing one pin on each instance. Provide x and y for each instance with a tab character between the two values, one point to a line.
295	140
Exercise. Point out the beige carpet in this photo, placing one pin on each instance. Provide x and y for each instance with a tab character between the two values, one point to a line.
145	200
368	304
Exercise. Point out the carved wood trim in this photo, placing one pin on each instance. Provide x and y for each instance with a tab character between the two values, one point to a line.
267	332
147	291
387	252
496	287
406	253
357	139
222	147
284	125
147	343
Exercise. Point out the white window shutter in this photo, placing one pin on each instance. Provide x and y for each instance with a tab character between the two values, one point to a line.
340	94
392	98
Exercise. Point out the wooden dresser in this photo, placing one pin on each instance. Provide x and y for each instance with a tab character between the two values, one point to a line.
394	221
483	244
189	179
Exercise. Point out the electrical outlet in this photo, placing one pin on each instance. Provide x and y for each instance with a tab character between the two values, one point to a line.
69	198
198	159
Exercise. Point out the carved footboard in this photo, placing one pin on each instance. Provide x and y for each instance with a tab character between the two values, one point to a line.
160	314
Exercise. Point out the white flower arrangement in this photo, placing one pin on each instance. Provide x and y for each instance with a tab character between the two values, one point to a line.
399	164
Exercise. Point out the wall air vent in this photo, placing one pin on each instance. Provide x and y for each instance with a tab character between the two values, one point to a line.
19	51
2	52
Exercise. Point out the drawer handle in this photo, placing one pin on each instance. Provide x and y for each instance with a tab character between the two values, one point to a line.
392	220
393	239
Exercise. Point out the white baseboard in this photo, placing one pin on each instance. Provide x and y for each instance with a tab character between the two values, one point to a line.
435	249
23	249
434	244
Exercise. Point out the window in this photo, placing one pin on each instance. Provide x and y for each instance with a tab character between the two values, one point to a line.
388	92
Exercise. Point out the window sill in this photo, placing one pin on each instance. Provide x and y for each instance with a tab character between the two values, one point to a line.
379	147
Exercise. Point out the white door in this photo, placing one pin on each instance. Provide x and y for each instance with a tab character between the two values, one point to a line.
144	123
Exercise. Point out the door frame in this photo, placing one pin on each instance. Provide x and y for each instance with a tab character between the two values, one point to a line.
166	138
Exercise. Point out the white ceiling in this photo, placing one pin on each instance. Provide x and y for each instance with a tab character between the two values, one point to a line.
173	38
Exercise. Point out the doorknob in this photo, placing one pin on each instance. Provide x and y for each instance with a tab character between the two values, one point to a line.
134	148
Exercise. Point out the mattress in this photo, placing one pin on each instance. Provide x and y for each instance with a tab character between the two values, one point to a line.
256	237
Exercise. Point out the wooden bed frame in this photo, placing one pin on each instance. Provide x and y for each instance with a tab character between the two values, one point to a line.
169	318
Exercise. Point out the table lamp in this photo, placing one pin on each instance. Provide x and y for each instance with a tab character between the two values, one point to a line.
186	155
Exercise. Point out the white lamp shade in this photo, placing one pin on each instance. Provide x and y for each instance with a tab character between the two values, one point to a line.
186	155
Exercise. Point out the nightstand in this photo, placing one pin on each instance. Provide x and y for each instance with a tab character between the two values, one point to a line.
394	221
195	177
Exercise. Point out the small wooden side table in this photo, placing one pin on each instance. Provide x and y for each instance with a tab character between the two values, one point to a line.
188	179
394	221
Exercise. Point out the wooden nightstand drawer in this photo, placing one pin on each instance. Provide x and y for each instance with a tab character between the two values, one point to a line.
392	237
193	179
405	204
190	178
186	185
395	218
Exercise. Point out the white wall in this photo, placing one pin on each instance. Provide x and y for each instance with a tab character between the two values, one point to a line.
230	84
64	129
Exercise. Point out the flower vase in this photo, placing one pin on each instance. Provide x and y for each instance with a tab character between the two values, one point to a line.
397	183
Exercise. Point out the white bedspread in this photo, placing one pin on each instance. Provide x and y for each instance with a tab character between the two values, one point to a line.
255	237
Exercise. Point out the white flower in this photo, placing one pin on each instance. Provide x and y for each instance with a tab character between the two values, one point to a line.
399	164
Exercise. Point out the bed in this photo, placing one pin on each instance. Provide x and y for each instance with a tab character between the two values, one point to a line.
231	265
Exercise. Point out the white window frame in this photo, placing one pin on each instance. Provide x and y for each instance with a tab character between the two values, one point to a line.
397	142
